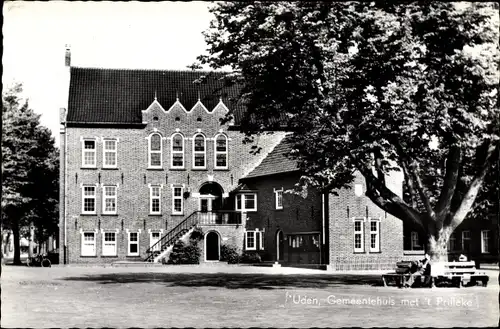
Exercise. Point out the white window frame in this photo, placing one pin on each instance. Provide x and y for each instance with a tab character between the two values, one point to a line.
150	152
129	243
105	197
377	235
277	194
114	152
360	233
254	233
94	152
151	197
94	245
465	238
104	242
172	152
204	152
174	212
83	186
485	247
242	206
454	239
225	153
261	243
415	241
152	242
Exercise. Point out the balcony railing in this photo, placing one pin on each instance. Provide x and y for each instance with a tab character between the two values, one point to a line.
220	217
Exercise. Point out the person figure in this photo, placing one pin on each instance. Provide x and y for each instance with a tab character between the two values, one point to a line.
423	268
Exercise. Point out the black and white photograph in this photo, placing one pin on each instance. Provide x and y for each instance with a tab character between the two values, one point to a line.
237	164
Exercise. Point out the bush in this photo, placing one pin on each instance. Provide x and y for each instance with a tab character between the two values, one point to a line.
250	257
184	254
196	236
229	254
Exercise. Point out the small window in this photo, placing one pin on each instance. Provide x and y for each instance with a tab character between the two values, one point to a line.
198	119
177	119
465	241
109	244
153	244
88	244
358	235
199	152
374	236
133	244
109	200
89	153
221	152
155	200
177	201
89	199
177	153
485	241
415	241
155	118
250	241
110	153
452	242
278	198
155	151
246	202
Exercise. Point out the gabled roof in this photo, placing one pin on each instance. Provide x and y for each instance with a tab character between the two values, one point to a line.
118	96
276	162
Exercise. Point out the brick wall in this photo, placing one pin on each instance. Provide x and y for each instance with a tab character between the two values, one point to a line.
132	176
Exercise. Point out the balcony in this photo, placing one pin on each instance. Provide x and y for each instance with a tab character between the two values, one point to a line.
221	217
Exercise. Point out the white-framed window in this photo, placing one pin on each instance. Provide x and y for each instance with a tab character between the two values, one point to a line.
88	199
415	241
359	235
246	202
154	237
155	151
109	198
177	151
250	240
133	244
109	244
452	242
278	198
89	153
177	200
465	240
199	152
88	243
220	152
109	153
155	199
261	240
374	235
485	241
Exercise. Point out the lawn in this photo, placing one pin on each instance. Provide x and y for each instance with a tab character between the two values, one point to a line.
161	297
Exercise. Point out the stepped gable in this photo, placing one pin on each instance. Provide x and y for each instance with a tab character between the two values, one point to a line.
117	96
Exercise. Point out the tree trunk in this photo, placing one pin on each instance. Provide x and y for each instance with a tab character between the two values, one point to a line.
17	243
437	244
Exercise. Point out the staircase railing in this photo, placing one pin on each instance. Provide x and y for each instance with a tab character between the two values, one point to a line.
172	236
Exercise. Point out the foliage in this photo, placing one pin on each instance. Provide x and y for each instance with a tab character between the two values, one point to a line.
373	87
250	257
229	254
30	171
186	253
196	236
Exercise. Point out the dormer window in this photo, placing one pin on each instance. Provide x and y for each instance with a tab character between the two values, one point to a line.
155	151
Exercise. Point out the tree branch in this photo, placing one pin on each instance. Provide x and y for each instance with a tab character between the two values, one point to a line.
411	188
450	182
421	191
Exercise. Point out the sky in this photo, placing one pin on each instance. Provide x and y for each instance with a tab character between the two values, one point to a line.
156	35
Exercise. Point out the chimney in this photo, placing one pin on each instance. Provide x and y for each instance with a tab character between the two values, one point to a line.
67	57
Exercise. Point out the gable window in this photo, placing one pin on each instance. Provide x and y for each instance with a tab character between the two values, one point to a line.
374	236
452	242
221	152
177	154
109	244
485	241
155	151
133	244
109	153
278	198
89	153
415	241
358	235
177	201
153	241
465	240
109	199
155	200
246	202
88	199
199	152
88	244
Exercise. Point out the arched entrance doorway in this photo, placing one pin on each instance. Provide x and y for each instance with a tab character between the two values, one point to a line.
210	197
212	246
280	247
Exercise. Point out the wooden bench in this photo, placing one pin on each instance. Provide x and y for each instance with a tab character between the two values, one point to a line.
402	275
458	273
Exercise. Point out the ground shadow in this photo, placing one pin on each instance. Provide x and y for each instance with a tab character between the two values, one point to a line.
234	281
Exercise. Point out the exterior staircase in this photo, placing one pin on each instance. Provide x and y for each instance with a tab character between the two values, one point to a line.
166	253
